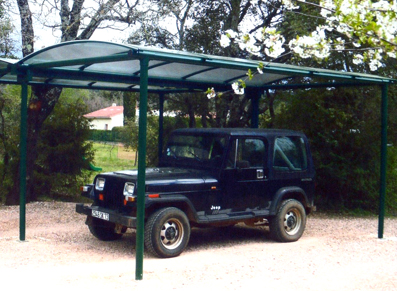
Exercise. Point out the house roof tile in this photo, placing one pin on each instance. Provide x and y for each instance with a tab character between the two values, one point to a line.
107	112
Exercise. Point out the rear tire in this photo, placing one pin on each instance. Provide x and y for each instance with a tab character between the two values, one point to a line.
104	230
289	223
167	232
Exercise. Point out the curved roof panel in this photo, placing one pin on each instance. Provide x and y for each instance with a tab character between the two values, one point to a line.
105	65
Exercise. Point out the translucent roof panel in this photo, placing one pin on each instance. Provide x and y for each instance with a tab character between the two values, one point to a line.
74	50
89	64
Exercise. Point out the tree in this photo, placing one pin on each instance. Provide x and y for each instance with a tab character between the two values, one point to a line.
9	133
197	26
62	157
7	44
366	29
76	22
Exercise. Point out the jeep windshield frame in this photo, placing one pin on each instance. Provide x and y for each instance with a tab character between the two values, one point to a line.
201	150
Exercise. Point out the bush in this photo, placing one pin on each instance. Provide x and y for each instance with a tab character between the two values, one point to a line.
64	152
343	126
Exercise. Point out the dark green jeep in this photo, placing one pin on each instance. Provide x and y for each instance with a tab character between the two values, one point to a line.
210	177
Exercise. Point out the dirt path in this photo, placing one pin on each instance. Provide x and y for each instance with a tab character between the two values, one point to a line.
333	254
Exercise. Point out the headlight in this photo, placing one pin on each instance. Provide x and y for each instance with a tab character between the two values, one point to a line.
100	184
129	189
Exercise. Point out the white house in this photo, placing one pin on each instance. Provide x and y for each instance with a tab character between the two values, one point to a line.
106	118
113	116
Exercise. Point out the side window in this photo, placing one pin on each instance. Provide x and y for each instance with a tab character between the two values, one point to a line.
289	154
246	153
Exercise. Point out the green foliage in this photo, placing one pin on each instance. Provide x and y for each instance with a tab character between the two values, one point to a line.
391	187
63	150
130	136
60	168
343	126
114	135
9	135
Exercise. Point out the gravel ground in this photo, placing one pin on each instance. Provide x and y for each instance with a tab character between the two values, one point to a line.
59	252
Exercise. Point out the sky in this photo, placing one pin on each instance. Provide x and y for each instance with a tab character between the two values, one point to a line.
45	37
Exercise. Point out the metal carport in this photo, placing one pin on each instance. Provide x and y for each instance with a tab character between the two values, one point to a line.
121	67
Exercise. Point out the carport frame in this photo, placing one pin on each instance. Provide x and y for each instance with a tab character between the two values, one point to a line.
25	74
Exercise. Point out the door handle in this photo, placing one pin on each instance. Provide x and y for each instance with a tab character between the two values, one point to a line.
259	174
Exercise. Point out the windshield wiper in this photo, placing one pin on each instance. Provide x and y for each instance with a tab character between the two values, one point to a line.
173	154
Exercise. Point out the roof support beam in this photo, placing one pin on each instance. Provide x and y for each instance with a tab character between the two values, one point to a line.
161	125
22	153
140	237
383	161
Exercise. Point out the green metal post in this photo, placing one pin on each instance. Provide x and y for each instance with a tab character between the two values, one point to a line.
383	162
141	168
22	165
255	96
161	125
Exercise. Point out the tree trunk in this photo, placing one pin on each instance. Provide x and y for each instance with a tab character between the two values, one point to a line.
270	103
129	103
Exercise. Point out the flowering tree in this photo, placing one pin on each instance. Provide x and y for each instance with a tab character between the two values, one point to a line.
365	28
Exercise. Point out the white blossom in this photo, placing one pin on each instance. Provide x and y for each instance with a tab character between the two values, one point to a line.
362	24
289	5
211	94
273	42
358	59
231	33
225	41
237	89
374	65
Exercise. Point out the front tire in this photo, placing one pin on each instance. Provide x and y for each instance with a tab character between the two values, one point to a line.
289	223
103	230
167	232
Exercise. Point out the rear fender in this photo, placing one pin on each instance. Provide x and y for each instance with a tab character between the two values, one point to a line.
289	193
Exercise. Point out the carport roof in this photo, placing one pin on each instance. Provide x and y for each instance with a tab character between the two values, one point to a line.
110	66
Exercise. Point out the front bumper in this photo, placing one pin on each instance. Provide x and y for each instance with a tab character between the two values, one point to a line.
114	216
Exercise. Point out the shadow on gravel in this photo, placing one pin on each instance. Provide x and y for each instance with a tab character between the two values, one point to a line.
204	238
200	239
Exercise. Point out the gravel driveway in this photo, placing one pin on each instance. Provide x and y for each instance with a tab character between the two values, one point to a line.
60	253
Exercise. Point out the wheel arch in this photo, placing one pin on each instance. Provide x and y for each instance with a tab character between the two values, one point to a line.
181	203
286	193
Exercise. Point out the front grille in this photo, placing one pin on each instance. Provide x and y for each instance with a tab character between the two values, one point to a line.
113	193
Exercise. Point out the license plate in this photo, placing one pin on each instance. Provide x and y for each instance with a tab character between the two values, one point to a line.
100	214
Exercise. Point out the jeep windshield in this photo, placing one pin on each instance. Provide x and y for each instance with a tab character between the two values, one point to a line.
194	151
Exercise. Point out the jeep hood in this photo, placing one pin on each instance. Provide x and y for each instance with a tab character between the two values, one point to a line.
172	179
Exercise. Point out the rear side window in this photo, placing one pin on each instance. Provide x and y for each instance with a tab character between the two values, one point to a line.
246	153
289	154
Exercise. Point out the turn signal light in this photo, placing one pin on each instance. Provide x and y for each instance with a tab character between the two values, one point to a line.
154	196
129	199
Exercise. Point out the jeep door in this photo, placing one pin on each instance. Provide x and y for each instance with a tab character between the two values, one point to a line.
244	176
292	165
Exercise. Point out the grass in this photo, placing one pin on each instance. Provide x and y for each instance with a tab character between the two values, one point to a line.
111	157
108	157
